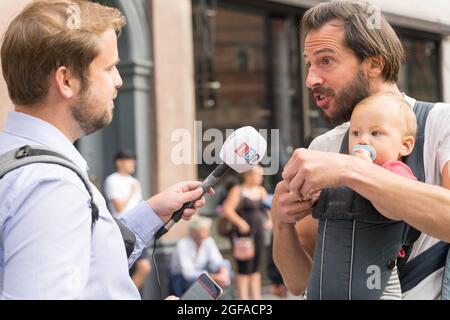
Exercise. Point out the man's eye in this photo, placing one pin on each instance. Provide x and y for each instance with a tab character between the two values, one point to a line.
308	65
326	61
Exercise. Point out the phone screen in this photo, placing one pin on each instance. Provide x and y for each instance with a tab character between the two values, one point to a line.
204	288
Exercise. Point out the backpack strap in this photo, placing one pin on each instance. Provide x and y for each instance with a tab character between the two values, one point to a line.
26	155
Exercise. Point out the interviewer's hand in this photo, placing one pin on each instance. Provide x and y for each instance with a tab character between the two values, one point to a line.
173	198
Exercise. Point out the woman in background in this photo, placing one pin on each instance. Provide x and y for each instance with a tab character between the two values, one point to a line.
244	208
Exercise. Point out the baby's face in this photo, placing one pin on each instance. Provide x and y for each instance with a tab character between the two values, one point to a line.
379	126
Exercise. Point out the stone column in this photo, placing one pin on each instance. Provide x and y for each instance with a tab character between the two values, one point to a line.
174	93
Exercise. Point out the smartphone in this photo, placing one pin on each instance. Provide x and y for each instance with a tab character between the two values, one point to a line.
204	288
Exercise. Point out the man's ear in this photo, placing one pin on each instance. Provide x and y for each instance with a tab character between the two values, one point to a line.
407	146
66	83
374	66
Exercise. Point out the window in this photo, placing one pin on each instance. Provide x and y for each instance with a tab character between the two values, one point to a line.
247	72
420	76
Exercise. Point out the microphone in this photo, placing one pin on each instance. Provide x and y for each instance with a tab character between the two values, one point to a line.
241	151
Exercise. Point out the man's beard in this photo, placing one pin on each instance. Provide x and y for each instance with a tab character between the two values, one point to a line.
346	100
82	112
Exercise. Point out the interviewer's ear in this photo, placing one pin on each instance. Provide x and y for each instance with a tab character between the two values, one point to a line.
407	146
67	84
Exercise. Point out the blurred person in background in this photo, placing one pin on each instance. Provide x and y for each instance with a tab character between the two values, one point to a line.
123	192
195	254
244	208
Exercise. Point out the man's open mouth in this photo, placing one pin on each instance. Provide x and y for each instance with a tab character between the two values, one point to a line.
322	100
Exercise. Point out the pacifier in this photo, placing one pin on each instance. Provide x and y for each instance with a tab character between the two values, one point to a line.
366	148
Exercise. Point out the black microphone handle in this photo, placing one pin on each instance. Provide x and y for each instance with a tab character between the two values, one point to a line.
207	184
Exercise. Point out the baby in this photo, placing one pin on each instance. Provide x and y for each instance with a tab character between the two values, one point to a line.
383	129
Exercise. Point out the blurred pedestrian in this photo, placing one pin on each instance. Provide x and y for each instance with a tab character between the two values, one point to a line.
195	254
244	208
123	192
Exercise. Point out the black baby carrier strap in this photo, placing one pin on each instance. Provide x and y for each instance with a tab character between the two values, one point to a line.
413	271
26	155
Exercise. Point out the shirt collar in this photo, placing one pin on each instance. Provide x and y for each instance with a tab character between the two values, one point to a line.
41	132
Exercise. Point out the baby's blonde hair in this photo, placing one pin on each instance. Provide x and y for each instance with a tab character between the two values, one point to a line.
405	110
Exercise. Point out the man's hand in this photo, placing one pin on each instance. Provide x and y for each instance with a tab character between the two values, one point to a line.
308	171
286	207
173	198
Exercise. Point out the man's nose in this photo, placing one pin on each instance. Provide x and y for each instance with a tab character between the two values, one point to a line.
118	82
313	79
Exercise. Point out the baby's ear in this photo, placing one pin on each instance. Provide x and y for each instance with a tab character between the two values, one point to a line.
407	146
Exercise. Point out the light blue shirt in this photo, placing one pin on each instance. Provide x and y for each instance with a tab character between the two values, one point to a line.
47	247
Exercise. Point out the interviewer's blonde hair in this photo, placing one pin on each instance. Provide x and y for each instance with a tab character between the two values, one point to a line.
48	34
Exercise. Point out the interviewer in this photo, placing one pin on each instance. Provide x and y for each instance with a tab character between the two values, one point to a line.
59	61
